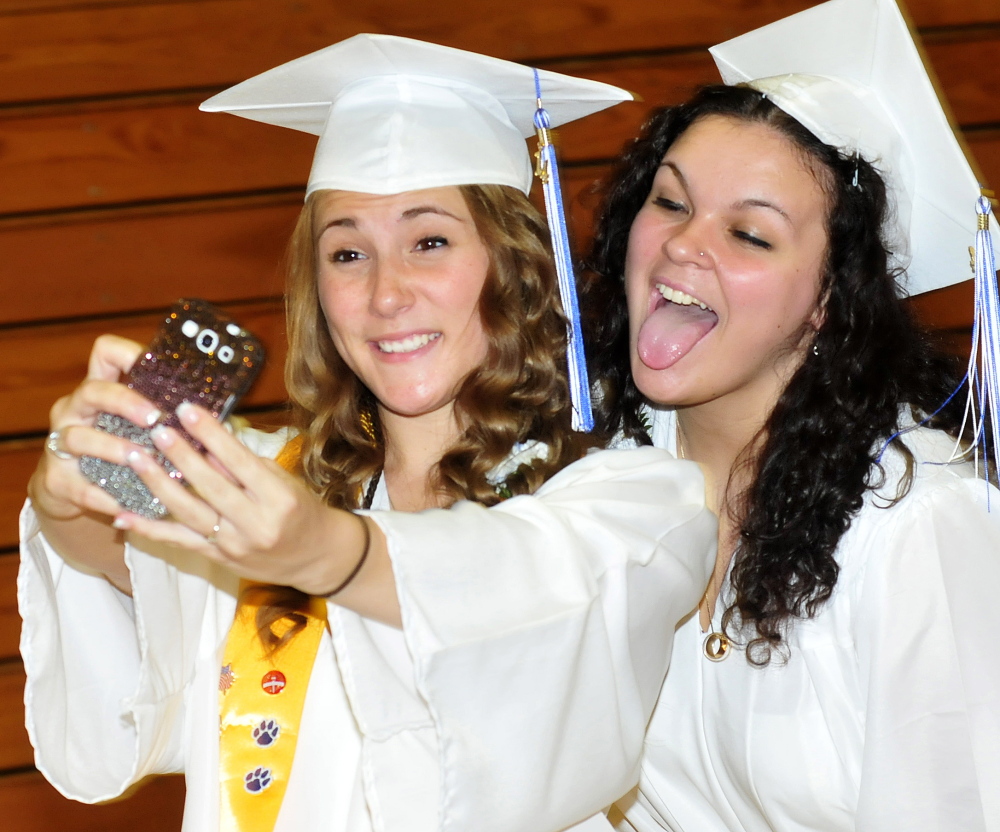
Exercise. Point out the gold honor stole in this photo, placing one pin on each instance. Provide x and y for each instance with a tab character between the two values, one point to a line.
261	697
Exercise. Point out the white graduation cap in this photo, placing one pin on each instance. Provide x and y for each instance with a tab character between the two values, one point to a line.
395	114
851	72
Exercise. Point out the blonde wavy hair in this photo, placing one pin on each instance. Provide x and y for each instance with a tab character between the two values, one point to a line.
519	394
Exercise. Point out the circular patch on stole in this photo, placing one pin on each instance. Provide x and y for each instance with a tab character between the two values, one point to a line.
273	682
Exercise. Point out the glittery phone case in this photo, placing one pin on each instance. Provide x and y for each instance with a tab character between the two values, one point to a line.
199	355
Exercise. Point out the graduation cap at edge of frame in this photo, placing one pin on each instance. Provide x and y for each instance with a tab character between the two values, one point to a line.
851	71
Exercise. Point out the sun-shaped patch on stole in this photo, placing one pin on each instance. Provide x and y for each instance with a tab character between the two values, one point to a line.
226	678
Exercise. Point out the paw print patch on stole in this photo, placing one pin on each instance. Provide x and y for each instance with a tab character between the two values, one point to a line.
257	780
266	732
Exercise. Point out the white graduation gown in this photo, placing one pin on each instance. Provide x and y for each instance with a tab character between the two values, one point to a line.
536	635
887	715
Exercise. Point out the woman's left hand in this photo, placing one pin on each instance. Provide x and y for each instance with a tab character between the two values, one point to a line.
245	512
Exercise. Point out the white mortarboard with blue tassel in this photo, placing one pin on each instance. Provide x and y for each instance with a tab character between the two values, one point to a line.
395	114
852	72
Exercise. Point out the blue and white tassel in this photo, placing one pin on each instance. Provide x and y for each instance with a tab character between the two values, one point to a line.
984	358
548	171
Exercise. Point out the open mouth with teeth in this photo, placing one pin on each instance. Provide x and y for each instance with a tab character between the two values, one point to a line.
411	343
676	322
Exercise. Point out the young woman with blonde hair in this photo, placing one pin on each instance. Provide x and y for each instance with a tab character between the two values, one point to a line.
258	627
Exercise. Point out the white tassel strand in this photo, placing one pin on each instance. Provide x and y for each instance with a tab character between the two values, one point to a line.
984	358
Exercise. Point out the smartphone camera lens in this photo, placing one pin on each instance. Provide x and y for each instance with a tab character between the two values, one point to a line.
207	341
226	354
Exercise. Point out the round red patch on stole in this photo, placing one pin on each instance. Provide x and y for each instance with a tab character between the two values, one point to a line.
273	682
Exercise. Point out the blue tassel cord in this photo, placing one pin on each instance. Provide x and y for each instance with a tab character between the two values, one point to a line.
547	171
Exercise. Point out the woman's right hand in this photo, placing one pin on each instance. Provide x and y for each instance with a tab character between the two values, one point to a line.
74	513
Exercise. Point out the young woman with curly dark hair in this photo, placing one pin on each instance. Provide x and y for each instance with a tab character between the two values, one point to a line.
750	318
430	650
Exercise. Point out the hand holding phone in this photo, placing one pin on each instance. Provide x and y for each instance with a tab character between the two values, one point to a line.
199	355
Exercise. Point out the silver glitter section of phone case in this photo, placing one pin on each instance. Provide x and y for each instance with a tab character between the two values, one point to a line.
122	482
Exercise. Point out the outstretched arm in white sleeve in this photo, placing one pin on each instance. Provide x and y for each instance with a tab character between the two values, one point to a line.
541	632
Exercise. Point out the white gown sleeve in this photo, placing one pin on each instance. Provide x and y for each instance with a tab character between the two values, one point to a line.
108	675
96	717
541	631
928	622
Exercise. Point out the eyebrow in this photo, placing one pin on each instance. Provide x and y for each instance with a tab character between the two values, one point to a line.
742	204
408	214
343	222
677	173
763	203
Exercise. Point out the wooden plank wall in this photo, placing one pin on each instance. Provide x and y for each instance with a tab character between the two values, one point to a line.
117	196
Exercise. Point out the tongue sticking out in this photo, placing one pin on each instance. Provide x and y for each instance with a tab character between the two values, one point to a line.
671	331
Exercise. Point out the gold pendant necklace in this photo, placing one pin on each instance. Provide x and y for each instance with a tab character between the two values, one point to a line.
716	646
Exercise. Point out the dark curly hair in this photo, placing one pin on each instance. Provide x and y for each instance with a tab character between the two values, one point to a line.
815	457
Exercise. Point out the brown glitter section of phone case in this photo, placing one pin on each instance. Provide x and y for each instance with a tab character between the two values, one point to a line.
173	370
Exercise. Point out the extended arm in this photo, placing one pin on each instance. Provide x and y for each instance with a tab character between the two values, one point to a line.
541	630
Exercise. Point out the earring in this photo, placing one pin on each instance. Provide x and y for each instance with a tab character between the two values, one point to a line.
815	348
368	425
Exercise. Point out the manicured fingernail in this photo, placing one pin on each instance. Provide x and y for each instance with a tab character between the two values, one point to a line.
137	460
121	523
153	417
187	413
162	436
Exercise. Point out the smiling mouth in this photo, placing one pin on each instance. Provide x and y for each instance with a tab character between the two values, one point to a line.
411	343
681	298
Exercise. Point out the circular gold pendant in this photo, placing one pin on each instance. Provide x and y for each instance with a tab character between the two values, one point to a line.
716	647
